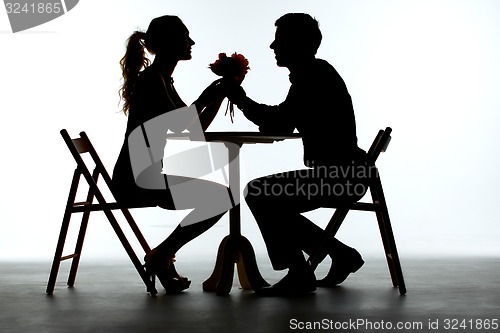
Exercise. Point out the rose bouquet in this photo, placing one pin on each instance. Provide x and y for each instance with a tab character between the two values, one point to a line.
234	68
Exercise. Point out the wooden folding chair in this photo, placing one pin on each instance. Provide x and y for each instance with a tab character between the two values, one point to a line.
379	206
77	147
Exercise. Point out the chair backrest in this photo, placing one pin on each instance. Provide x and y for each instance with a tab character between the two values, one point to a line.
83	145
379	145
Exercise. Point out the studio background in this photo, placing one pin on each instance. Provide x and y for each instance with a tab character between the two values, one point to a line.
428	69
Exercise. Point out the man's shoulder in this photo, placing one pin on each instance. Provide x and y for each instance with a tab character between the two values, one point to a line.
326	75
324	66
322	62
318	72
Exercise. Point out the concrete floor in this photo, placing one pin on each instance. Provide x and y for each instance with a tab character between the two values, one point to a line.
109	297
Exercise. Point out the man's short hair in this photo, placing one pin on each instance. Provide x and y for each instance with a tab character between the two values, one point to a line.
303	28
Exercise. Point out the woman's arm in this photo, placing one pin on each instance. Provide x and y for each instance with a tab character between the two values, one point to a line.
207	114
209	102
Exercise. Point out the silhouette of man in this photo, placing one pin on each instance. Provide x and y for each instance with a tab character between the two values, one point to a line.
319	107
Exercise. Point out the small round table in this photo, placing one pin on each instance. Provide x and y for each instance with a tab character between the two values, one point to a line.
235	248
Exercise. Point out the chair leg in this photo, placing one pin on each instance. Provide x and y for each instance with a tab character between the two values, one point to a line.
62	234
136	230
81	236
148	281
388	238
78	249
330	232
56	263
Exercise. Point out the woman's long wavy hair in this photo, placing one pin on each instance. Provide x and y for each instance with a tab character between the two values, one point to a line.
135	58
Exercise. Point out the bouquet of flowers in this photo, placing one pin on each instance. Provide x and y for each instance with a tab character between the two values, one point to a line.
234	68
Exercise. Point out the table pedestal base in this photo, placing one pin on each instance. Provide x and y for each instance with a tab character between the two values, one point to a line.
234	249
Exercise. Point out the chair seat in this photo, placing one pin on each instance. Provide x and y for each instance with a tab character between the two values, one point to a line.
80	207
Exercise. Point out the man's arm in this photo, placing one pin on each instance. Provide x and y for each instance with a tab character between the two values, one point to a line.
269	118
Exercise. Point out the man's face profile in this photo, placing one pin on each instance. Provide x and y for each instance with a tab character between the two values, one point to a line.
283	47
287	48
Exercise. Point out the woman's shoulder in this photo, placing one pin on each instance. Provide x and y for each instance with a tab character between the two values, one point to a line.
148	74
148	83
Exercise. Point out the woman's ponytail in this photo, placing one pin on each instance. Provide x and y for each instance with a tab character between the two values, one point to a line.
131	64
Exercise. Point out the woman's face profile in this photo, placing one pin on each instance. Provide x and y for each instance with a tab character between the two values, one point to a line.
185	49
178	42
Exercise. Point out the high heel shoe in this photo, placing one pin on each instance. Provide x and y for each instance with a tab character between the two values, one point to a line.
163	267
341	268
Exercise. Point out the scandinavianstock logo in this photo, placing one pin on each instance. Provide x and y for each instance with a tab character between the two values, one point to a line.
26	14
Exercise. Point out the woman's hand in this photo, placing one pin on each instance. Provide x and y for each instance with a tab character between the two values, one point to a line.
213	92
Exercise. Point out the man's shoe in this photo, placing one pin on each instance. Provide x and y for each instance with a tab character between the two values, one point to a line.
292	284
341	268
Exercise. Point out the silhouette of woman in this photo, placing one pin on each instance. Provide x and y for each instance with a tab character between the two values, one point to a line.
148	94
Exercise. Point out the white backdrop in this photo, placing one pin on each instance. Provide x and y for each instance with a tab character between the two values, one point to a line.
429	69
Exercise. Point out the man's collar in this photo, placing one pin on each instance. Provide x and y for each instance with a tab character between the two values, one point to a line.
302	70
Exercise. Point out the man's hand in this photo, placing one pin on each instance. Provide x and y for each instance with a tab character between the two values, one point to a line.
235	93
